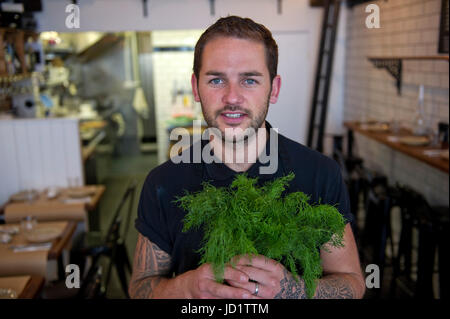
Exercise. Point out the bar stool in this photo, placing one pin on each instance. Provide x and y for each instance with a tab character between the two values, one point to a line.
432	225
353	173
442	227
434	238
402	263
377	233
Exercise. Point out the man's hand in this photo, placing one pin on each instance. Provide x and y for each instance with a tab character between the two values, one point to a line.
151	277
342	276
273	280
200	284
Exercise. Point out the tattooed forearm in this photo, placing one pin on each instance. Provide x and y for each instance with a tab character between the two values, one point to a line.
150	265
334	287
329	287
144	288
290	288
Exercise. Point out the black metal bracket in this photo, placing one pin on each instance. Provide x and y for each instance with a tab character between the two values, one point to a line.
144	8
212	7
393	66
279	6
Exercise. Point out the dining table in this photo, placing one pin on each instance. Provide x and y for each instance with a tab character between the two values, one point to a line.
70	203
28	252
21	287
402	140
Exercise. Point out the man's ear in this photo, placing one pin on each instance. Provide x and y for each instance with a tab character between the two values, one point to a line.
276	85
194	84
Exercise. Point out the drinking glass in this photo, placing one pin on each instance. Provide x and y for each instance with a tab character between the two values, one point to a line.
28	224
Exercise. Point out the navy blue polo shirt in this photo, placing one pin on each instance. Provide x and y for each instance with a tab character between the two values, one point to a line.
161	220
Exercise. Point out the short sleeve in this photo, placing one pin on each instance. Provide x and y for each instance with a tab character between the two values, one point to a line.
151	220
337	194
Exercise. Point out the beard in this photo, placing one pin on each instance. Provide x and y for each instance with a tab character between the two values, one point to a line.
256	120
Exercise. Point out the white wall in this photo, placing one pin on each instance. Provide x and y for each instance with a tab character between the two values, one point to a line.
120	15
297	30
291	112
39	153
336	99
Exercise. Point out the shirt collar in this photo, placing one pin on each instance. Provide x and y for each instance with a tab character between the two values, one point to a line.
219	171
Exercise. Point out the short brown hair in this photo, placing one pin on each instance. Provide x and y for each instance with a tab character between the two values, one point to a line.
242	28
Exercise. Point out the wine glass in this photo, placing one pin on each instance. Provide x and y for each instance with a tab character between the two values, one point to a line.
28	224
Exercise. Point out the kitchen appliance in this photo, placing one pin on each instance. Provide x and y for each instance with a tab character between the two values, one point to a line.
24	105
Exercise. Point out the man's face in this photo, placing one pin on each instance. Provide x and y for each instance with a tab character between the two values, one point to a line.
234	86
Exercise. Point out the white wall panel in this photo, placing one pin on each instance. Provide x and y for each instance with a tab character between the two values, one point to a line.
38	153
59	161
290	113
9	168
47	145
34	162
72	153
22	154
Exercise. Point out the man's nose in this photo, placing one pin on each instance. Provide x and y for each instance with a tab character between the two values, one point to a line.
232	94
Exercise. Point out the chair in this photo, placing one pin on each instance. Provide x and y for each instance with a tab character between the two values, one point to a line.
354	175
377	231
441	227
112	247
431	224
433	238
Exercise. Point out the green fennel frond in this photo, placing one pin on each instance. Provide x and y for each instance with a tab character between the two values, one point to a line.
249	219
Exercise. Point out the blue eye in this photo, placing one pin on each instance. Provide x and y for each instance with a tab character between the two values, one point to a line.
216	81
250	81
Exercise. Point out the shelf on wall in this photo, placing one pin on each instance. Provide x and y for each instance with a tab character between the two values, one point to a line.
394	65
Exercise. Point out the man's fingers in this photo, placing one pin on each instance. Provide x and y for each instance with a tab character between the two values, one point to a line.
235	274
250	286
227	292
257	261
255	274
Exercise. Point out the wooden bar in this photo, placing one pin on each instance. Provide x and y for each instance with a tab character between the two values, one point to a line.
33	288
59	244
416	152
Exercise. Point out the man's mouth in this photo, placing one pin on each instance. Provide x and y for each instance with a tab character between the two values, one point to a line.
233	117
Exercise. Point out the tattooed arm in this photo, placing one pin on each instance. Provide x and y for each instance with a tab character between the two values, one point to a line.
335	286
150	278
151	266
342	277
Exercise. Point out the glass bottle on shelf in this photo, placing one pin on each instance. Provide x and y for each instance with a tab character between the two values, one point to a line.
419	127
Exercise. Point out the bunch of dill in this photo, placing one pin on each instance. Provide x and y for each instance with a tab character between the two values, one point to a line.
249	219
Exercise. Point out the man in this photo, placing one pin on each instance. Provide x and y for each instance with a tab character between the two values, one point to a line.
235	79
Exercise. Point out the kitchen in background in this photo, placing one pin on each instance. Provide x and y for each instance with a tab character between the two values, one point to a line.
87	104
126	89
173	57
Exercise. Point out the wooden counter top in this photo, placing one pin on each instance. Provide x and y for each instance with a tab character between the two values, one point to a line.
416	152
27	287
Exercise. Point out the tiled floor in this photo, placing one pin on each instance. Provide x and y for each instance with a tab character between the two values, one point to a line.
116	173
